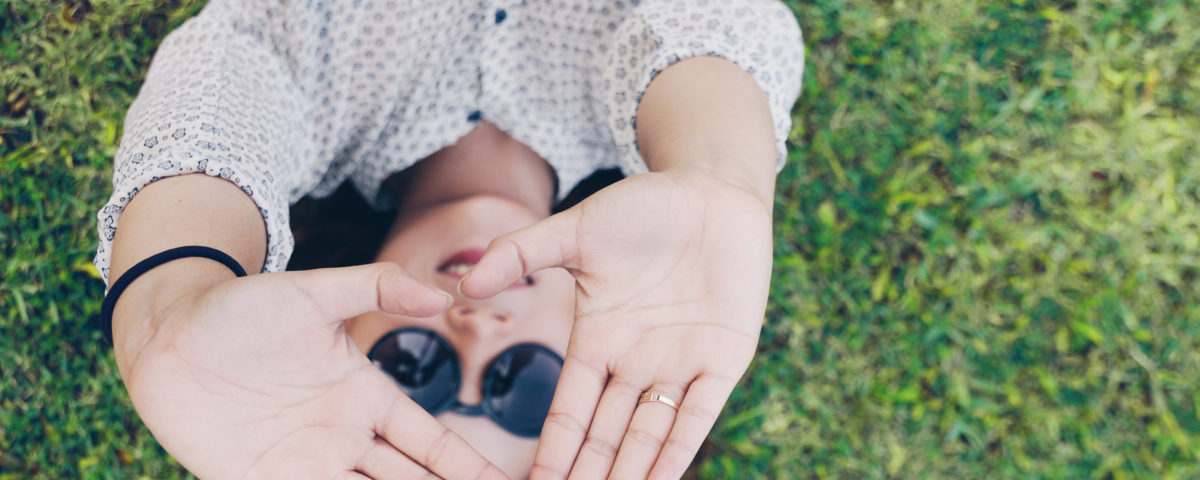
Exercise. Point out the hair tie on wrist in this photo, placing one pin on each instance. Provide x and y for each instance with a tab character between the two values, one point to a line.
110	301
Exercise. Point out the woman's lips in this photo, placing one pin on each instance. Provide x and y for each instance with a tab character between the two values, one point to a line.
468	257
458	264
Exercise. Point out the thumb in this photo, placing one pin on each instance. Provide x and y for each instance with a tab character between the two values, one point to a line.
552	242
341	293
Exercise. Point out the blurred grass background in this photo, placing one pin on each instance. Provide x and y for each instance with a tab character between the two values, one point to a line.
987	245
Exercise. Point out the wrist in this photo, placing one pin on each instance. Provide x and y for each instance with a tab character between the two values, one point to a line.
731	172
707	115
146	304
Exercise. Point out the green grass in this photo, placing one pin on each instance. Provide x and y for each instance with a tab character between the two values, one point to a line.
987	245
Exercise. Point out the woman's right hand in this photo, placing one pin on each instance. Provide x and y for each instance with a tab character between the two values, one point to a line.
256	377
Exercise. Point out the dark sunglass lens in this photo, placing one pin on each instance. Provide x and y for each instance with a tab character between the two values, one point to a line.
422	364
520	387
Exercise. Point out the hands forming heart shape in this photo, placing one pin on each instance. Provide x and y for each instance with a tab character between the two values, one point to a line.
256	377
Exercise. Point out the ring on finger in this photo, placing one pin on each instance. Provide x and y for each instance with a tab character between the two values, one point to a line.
655	397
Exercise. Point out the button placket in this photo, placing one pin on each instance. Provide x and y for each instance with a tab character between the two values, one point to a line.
489	49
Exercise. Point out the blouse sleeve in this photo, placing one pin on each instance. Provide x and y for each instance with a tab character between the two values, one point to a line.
760	36
220	99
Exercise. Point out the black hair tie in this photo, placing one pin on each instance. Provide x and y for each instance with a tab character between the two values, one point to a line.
110	301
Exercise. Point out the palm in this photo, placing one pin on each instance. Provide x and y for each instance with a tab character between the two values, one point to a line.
672	272
261	381
671	265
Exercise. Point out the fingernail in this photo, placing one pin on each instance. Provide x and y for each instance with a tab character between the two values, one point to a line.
449	298
460	282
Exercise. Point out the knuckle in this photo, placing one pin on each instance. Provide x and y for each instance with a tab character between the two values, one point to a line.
670	390
601	447
676	455
703	414
668	470
521	256
644	438
675	446
565	421
390	413
437	450
624	386
498	241
490	471
385	273
541	470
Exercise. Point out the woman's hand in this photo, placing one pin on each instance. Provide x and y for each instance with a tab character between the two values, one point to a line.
256	377
672	273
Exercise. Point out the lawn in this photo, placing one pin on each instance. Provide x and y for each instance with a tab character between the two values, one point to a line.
987	245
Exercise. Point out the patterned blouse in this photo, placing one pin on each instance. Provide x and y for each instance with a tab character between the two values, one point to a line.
287	98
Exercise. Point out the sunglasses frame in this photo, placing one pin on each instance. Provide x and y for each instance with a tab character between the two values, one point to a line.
451	403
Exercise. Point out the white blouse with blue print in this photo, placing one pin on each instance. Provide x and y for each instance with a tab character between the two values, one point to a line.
288	98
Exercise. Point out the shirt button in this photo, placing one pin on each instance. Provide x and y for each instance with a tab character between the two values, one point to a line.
501	15
475	116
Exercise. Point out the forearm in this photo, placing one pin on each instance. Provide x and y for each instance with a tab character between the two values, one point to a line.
708	114
194	209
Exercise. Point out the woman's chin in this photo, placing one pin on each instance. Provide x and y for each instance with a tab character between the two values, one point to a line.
466	222
498	214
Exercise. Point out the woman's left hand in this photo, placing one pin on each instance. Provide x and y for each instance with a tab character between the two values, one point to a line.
672	272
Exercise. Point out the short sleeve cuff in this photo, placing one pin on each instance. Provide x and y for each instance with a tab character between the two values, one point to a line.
181	161
771	51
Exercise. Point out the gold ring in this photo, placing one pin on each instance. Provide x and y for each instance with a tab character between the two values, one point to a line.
654	397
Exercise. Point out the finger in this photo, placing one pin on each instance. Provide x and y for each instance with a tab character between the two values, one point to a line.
341	293
599	448
412	431
647	432
575	398
695	418
382	460
548	243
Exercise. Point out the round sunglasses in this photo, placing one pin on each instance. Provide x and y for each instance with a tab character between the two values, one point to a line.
518	384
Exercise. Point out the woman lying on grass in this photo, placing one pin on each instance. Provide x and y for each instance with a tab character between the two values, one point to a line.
599	341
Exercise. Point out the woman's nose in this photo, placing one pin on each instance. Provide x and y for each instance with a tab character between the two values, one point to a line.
478	321
474	329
